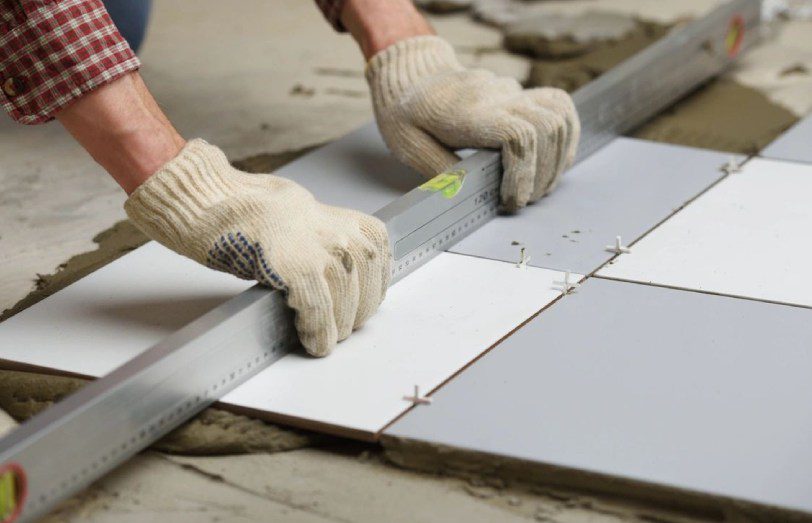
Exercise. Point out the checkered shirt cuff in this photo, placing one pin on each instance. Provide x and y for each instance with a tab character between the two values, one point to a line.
54	51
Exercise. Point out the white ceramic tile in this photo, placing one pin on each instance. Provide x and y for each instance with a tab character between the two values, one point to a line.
106	318
432	323
748	236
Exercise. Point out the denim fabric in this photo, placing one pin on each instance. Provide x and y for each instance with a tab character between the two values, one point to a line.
131	18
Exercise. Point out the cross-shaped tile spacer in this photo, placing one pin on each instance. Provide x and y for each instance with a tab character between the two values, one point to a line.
417	399
618	247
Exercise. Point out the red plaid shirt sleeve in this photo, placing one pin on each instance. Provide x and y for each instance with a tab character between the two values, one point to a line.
54	51
332	11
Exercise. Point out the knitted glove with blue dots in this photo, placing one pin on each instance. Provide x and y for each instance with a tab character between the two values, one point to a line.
332	263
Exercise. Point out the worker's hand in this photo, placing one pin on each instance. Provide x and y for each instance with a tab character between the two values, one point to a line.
332	263
427	105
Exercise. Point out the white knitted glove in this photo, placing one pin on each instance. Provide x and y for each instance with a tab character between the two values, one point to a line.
333	263
427	105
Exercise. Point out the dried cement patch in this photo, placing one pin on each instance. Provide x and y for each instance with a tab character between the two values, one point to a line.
213	431
557	35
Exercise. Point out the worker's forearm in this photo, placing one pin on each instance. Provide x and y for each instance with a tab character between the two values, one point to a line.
123	129
376	25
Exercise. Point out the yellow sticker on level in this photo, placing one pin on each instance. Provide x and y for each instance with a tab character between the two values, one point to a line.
448	183
8	494
735	36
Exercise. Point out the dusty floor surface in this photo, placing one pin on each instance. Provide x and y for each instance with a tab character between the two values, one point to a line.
282	81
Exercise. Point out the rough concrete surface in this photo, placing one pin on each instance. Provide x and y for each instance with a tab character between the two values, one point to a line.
337	485
781	67
741	112
762	95
503	12
280	80
570	73
152	488
556	36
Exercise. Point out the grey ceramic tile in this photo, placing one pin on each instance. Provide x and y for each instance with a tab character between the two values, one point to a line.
697	391
794	145
623	190
354	171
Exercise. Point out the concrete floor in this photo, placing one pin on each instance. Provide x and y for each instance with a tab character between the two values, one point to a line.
269	78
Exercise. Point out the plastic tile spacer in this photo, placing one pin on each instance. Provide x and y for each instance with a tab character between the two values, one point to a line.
732	166
618	247
523	259
567	286
417	399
